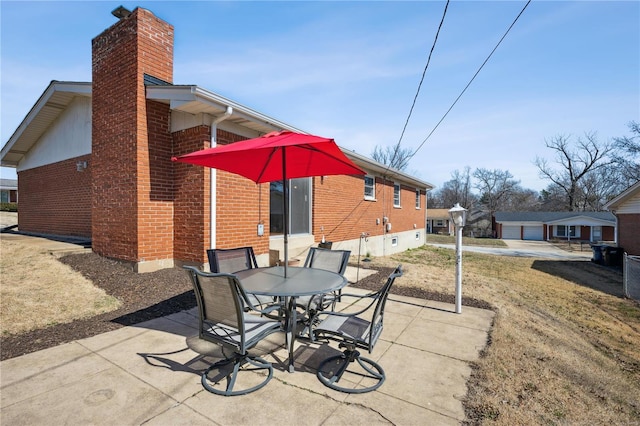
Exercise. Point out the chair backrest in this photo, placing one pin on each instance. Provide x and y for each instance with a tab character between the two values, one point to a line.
378	312
231	260
221	315
329	260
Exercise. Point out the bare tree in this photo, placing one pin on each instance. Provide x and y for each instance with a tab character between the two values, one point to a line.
552	198
394	157
495	186
456	190
575	161
521	200
626	156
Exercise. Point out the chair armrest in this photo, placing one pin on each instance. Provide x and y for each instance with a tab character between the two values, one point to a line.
260	310
359	296
349	314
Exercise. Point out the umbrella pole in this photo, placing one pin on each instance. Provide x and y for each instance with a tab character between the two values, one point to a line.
285	196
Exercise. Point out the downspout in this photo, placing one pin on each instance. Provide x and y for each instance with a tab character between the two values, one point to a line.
213	177
426	217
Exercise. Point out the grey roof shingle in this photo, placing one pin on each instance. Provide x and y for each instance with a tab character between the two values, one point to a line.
550	216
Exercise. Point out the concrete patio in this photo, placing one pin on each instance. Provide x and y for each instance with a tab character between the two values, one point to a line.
150	374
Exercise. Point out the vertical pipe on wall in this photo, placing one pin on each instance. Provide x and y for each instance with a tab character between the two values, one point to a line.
213	177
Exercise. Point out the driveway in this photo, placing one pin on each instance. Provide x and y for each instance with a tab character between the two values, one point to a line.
522	248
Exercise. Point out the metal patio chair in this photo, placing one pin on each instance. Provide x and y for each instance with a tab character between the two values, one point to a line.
354	330
329	260
233	260
224	321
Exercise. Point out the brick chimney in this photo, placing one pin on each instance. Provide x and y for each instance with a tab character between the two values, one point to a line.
132	207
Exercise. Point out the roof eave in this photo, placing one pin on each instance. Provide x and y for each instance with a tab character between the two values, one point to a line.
385	171
43	113
193	99
624	196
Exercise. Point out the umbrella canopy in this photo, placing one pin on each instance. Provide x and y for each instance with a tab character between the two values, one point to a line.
261	159
277	156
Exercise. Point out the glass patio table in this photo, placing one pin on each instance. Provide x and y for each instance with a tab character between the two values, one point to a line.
299	282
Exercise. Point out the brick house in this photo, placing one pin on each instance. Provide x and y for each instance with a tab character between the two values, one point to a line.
8	190
439	222
545	226
626	208
94	160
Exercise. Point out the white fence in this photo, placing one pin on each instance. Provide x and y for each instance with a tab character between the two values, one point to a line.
631	276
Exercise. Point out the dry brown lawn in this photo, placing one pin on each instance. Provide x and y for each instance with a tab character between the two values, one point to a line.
565	345
38	291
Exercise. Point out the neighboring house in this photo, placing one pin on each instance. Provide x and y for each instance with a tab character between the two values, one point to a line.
545	226
8	191
626	208
94	160
439	222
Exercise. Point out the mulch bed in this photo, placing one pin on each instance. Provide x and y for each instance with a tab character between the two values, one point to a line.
151	295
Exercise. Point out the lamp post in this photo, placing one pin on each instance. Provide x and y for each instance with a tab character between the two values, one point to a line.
458	216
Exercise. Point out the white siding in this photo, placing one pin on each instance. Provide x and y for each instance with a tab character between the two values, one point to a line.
68	137
632	205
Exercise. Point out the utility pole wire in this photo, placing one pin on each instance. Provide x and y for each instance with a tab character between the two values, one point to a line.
415	98
470	81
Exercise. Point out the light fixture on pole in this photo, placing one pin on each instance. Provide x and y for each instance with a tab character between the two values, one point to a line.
458	216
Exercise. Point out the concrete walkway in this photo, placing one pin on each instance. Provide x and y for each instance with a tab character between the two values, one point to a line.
522	248
150	374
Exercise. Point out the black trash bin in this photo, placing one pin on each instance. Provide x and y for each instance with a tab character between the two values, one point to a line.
612	256
597	253
325	245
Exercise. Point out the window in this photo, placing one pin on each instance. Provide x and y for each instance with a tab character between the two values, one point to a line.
396	195
596	233
561	231
417	199
394	241
439	223
369	188
417	236
299	207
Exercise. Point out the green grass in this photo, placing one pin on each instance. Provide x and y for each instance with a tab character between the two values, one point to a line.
466	241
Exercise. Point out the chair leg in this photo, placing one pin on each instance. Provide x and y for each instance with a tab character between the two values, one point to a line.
372	371
238	361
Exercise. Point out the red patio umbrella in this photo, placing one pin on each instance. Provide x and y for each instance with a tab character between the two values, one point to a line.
277	156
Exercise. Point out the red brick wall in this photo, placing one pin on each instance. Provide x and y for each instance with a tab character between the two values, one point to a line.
155	186
191	228
241	205
129	203
340	207
628	233
56	199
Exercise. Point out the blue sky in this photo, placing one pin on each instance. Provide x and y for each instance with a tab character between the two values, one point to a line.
350	70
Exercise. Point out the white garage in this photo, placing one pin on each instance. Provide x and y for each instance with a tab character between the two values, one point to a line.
510	232
532	233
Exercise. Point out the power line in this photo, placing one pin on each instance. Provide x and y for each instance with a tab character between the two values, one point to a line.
415	98
470	81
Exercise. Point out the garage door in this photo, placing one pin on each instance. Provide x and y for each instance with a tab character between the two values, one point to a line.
532	233
510	232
